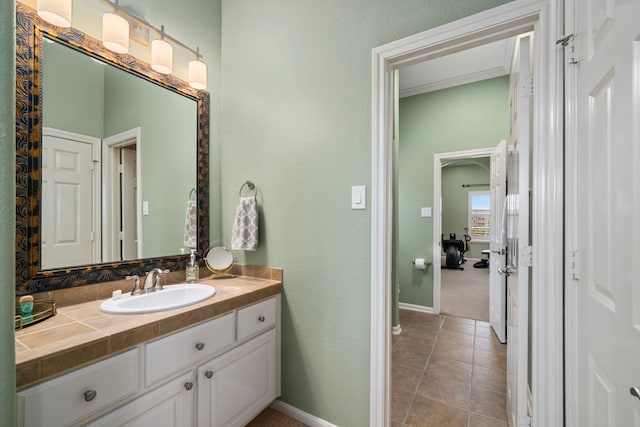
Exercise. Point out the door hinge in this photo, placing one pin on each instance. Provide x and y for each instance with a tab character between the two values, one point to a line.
526	87
574	265
525	421
568	42
526	258
92	238
121	235
120	168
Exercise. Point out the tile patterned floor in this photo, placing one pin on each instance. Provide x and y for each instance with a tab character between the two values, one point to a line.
447	371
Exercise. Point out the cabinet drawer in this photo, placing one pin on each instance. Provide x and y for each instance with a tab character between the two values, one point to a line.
182	350
257	318
71	397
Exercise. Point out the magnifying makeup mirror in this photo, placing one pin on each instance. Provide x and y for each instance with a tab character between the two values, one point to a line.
219	260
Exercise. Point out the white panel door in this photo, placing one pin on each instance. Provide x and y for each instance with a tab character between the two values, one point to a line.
498	284
607	195
67	203
517	235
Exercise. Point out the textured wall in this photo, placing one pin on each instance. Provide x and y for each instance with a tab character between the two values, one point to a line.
461	118
297	120
7	211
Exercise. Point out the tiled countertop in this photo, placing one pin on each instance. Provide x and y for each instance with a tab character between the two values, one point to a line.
81	333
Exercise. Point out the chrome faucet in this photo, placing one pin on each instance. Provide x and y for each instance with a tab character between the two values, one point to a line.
152	281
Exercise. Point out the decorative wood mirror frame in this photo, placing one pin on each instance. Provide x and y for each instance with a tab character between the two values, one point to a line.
30	30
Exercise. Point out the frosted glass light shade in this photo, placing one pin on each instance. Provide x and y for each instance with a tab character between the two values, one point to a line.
197	74
115	33
56	12
161	56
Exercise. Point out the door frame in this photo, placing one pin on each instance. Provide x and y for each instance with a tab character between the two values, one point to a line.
545	17
438	160
111	192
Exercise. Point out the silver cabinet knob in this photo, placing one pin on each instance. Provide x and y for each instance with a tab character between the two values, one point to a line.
635	391
208	374
89	395
200	346
261	319
188	385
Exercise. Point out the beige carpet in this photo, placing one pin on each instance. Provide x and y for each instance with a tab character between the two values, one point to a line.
465	293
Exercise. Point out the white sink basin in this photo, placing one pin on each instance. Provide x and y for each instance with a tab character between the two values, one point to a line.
172	296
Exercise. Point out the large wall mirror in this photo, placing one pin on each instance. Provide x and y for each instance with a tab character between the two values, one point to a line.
111	157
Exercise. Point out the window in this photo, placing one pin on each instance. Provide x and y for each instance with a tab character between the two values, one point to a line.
480	215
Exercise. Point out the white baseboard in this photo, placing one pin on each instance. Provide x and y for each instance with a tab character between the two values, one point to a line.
413	307
298	415
397	330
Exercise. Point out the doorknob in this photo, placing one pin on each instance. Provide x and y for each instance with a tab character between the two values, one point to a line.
635	391
500	252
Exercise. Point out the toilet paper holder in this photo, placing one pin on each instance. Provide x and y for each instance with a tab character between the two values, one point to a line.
427	264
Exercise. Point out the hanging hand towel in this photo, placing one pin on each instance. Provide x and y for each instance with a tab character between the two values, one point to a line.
190	225
245	225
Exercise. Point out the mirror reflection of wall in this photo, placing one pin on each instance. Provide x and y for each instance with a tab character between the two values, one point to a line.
92	101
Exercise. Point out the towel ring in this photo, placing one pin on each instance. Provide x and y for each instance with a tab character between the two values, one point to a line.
192	194
251	186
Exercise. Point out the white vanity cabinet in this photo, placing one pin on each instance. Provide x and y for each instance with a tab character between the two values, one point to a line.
221	372
170	405
234	387
71	397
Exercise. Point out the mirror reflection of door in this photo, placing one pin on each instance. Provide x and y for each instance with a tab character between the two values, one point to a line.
70	221
128	203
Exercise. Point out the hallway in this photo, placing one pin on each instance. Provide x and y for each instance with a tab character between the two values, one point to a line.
447	371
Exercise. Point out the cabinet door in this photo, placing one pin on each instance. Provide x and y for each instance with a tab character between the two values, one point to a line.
237	386
170	405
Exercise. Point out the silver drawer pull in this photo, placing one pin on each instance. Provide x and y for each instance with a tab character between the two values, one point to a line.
200	346
635	391
208	374
261	319
89	395
188	385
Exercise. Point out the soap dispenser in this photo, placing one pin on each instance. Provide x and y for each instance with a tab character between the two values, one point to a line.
193	269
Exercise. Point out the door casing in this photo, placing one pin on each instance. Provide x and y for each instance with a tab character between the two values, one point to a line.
546	19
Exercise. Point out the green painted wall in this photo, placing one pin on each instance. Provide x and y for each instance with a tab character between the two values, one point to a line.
297	121
455	201
461	118
168	123
7	211
73	91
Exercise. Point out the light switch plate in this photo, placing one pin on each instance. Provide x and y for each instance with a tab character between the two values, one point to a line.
358	197
425	212
145	207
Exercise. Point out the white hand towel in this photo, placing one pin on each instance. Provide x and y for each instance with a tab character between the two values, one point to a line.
190	225
245	225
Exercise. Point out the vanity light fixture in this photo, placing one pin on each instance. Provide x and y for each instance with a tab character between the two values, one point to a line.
161	54
198	72
115	32
56	12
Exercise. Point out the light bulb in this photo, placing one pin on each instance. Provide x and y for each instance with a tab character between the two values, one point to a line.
56	12
198	74
115	33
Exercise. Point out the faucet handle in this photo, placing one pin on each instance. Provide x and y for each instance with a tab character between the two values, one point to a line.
136	284
158	285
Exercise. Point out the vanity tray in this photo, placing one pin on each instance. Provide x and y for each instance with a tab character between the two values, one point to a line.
42	309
